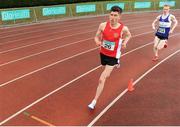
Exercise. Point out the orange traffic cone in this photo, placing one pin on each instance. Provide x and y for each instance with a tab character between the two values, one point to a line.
130	85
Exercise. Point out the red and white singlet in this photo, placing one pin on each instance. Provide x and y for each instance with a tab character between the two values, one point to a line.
111	44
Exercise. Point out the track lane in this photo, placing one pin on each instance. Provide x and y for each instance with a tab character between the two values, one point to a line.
155	101
9	72
76	93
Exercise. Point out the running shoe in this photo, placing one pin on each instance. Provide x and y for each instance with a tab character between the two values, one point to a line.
165	45
92	105
155	58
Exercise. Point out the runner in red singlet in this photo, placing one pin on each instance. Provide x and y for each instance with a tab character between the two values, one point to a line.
110	37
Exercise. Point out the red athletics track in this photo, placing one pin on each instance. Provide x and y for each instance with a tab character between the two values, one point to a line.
41	64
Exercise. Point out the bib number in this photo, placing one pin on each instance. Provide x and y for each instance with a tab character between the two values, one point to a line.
108	45
161	30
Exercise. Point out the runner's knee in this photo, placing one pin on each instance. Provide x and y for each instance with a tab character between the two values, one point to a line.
103	77
155	47
101	80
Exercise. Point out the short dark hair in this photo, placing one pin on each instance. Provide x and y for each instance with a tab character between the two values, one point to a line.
116	9
166	5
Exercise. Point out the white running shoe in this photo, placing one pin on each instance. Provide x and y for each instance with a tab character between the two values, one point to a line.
92	105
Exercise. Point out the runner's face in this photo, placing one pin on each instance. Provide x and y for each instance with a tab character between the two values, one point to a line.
166	10
114	17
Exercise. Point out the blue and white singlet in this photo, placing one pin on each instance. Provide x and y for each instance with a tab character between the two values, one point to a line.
164	27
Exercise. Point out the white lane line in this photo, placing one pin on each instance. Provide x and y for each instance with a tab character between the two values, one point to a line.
72	27
54	91
35	29
20	77
76	23
45	51
40	69
62	46
39	35
126	90
51	28
42	98
40	42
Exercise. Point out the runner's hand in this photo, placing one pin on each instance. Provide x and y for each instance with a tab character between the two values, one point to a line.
124	45
171	31
98	43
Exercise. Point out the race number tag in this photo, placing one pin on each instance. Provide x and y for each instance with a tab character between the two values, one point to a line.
161	30
108	45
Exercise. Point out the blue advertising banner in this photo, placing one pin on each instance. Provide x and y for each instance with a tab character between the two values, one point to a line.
85	8
54	11
15	14
142	5
170	3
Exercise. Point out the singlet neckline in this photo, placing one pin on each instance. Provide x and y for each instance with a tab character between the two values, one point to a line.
165	16
114	28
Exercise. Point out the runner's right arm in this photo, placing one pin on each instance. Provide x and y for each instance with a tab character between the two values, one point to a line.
154	23
98	36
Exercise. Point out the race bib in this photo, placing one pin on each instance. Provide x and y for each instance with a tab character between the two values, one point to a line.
108	45
161	30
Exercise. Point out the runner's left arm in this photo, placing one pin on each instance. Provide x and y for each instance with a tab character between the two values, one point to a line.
126	36
175	22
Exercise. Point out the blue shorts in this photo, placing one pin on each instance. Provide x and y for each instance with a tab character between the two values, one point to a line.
161	37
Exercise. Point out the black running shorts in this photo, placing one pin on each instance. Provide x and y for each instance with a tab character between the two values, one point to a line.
107	60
